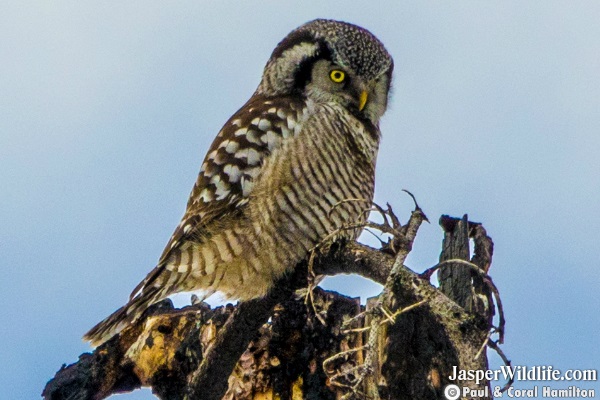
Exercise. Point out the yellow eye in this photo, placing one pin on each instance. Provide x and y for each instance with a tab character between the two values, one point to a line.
337	76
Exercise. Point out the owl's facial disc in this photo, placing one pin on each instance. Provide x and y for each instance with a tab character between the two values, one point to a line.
331	83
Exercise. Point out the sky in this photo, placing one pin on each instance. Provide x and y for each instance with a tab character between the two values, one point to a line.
107	110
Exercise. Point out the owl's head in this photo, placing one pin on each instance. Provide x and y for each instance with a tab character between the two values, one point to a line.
326	60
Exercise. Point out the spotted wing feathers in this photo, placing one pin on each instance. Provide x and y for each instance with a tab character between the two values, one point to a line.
222	189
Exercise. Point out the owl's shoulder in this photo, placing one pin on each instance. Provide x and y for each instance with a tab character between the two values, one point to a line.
241	147
235	160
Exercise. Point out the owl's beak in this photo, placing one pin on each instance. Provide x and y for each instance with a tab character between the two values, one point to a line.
364	96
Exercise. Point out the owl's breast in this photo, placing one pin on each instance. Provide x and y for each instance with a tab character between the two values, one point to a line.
316	185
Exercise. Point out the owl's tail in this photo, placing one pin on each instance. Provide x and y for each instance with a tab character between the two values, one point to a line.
121	318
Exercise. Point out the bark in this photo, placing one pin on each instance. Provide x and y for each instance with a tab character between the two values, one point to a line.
314	345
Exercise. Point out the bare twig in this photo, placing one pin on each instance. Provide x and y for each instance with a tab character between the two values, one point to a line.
483	345
403	238
507	362
487	280
341	354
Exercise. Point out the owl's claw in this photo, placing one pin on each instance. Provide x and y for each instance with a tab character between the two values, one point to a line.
392	226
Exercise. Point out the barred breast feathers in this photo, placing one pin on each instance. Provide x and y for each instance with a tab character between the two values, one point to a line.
320	169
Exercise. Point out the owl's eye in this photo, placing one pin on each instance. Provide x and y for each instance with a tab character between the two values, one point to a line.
337	76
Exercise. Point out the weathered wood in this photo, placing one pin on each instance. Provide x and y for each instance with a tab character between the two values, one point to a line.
466	286
285	356
209	381
455	280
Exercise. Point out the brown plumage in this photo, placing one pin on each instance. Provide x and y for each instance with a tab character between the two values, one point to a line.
295	164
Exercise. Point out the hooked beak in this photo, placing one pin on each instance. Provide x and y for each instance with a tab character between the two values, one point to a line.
364	96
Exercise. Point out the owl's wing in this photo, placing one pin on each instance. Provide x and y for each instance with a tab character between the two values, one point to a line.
229	170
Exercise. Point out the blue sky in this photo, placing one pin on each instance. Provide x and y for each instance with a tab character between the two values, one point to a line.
107	109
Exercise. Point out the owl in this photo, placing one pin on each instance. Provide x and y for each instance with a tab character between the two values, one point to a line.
292	168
